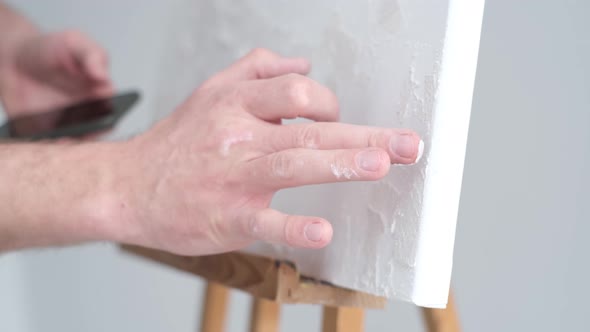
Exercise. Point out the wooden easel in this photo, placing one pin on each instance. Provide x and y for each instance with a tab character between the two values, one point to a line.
273	283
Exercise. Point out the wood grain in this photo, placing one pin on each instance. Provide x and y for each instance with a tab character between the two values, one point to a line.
265	315
214	308
342	319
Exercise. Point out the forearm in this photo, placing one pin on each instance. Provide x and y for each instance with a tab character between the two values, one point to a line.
54	194
14	28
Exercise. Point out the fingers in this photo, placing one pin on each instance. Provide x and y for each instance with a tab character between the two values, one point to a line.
295	231
261	64
91	58
91	63
299	167
403	145
289	97
96	67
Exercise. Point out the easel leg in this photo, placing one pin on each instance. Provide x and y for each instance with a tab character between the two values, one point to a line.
214	308
343	319
265	316
442	320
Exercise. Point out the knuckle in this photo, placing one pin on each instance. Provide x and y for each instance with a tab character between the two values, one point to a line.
374	138
259	59
71	36
333	105
379	138
309	137
298	91
260	53
291	233
282	166
255	227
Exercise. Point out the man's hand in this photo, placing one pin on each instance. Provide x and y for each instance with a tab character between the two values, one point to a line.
202	180
48	71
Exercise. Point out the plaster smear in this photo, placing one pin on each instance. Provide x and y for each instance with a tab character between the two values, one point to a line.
340	171
234	139
392	63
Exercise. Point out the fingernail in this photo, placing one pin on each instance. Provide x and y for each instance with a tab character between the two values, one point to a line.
314	232
369	160
403	145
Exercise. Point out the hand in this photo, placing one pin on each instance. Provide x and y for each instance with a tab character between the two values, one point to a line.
201	181
49	71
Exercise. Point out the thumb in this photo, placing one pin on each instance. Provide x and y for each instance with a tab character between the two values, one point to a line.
94	65
90	57
295	231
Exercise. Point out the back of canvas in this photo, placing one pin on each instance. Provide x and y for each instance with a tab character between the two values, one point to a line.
389	62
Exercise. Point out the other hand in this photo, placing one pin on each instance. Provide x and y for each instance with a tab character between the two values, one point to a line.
49	71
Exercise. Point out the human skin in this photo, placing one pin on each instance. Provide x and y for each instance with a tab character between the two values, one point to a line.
44	71
201	180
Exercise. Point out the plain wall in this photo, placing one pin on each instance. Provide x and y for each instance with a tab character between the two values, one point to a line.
521	260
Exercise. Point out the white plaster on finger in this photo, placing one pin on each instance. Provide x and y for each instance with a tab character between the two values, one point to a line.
341	171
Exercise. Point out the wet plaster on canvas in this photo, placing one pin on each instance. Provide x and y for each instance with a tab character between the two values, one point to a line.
382	58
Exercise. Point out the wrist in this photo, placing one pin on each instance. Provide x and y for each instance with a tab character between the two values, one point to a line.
64	193
108	210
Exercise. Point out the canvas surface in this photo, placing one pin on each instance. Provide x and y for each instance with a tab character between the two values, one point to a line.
389	62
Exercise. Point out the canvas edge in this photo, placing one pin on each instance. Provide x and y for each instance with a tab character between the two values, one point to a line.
447	154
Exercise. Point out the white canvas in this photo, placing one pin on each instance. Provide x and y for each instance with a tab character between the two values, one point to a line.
392	63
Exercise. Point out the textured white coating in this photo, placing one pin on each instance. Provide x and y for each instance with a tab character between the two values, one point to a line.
420	151
340	171
384	59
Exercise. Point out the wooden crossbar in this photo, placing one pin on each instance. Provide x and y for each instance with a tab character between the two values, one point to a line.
273	283
263	278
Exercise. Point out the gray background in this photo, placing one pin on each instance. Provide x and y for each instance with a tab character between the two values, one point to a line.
521	259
